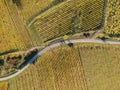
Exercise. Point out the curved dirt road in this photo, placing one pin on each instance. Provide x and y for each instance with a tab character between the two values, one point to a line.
55	45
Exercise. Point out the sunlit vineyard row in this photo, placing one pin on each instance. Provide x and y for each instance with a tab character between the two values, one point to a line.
9	37
112	21
68	17
93	66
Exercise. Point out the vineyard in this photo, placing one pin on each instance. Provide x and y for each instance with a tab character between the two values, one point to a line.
10	39
83	67
3	85
68	17
51	19
22	11
112	20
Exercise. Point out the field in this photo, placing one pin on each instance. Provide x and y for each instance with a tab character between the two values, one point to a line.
3	85
83	67
10	39
24	11
50	19
68	17
14	34
112	20
30	8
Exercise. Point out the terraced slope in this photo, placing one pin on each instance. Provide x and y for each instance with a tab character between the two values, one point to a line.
112	20
68	17
85	66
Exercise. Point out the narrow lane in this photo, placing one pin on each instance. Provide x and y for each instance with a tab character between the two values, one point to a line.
56	45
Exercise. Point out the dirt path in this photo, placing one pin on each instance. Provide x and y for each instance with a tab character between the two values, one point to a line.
44	50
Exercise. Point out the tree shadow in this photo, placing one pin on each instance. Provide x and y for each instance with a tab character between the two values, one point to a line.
62	41
103	39
1	62
30	55
18	3
70	44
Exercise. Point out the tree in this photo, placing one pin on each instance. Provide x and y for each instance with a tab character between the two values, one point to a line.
86	34
65	37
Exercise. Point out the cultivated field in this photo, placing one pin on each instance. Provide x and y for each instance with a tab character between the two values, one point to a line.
10	39
68	17
112	20
83	67
23	11
3	85
29	8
